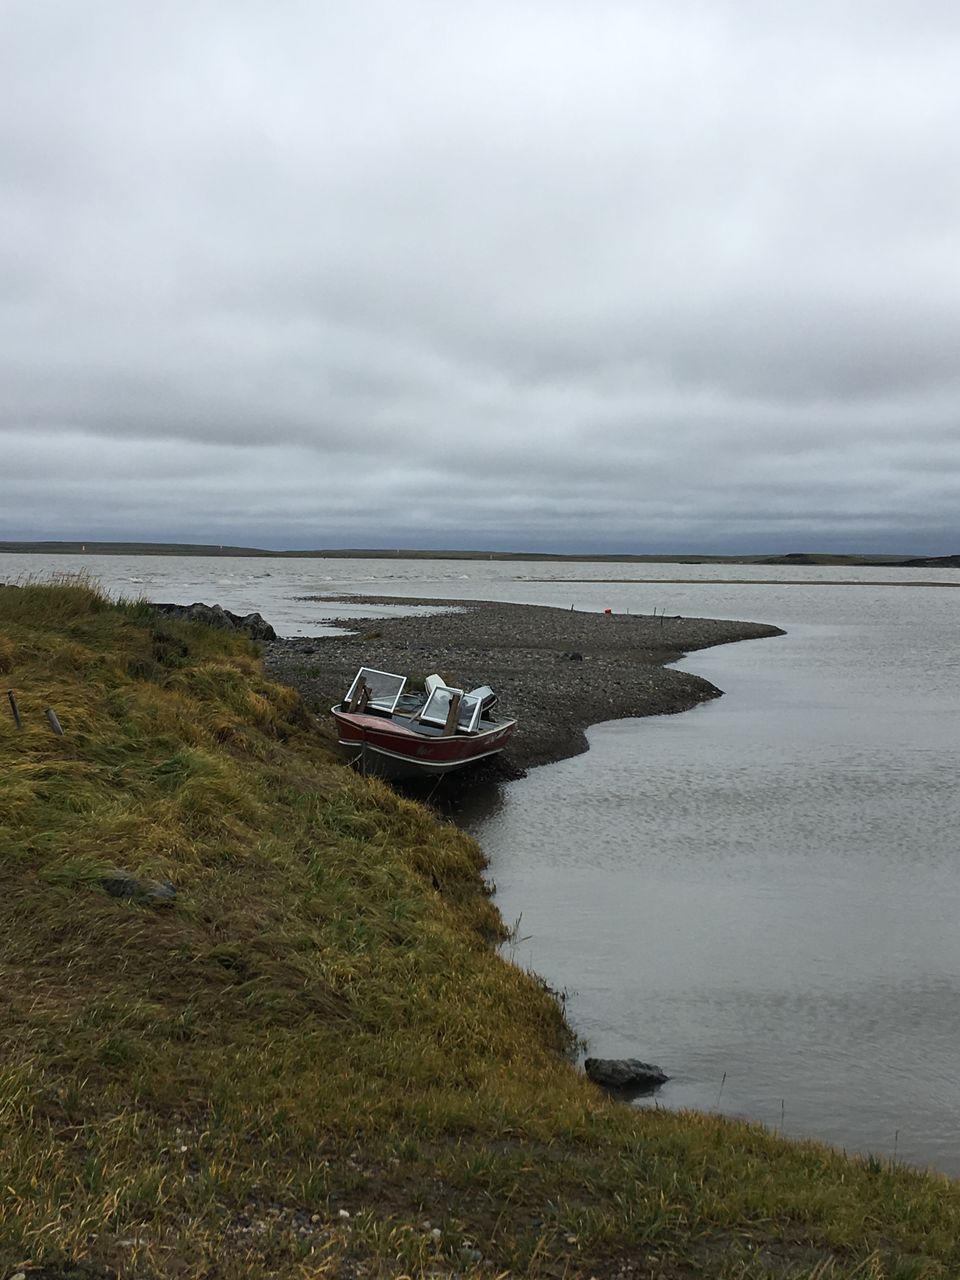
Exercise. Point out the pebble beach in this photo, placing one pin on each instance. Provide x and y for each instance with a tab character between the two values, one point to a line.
557	670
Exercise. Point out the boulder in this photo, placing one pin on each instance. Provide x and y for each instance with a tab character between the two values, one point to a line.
152	893
214	615
625	1074
255	627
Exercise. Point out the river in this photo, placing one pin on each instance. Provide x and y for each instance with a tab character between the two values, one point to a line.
762	894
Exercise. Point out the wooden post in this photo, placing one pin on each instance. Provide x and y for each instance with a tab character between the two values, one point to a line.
54	722
14	708
358	696
453	715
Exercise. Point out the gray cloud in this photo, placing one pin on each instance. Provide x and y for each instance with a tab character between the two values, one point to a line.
622	276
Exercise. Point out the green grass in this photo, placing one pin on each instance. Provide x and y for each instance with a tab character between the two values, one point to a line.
313	1061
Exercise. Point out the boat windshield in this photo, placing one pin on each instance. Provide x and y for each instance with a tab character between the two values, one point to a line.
385	688
438	705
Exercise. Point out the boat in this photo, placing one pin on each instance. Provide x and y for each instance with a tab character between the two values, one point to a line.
399	734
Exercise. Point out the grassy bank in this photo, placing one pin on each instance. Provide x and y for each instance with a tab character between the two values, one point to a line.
309	1060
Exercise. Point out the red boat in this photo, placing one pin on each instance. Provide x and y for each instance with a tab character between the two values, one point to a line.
416	735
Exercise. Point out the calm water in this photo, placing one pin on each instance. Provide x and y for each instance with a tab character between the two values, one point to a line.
762	894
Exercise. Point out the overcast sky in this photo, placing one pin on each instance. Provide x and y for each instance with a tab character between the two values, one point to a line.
582	275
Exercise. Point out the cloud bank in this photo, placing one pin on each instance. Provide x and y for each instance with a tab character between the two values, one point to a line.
630	276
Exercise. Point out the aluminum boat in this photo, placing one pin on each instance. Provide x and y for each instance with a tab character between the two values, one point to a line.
396	734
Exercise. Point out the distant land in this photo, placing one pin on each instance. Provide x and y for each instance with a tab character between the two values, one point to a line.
401	553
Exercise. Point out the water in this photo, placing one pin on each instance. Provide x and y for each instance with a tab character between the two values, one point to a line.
761	894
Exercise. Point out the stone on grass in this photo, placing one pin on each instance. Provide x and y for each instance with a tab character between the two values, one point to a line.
625	1073
153	893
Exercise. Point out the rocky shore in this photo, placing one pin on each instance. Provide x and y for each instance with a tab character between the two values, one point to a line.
557	670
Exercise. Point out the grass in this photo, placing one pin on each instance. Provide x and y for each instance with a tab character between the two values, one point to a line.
312	1061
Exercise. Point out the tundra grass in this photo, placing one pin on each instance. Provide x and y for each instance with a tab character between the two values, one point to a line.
312	1061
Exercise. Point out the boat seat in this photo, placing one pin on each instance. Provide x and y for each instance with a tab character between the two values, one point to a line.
484	695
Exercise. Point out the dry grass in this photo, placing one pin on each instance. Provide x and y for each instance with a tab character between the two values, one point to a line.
317	1025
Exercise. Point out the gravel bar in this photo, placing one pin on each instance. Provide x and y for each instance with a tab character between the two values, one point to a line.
557	670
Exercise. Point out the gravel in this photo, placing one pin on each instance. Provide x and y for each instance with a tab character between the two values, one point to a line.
557	670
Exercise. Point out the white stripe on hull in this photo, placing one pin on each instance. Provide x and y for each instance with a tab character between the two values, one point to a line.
404	767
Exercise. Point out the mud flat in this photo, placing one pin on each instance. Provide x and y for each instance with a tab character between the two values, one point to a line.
557	670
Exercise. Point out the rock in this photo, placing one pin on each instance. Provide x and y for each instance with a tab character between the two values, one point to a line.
153	893
161	893
256	628
214	615
121	886
625	1074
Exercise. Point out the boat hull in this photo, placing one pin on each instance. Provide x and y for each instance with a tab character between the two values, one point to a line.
392	750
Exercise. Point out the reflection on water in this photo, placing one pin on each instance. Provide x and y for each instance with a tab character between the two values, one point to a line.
761	894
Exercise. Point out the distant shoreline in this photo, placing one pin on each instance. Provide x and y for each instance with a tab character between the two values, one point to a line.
406	553
764	582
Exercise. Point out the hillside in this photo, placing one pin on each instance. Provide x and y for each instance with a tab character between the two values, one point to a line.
253	1023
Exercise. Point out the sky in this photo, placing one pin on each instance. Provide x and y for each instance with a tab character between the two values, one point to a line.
624	275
